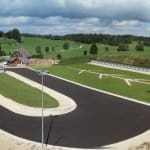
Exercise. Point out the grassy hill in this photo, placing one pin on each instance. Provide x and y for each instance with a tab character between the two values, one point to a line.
73	57
76	50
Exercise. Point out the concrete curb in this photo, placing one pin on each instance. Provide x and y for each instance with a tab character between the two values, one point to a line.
66	104
109	93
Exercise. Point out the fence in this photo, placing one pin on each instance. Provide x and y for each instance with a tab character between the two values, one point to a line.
121	66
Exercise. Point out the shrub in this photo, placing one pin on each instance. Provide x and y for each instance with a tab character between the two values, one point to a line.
140	46
38	49
85	53
123	47
59	56
66	46
37	56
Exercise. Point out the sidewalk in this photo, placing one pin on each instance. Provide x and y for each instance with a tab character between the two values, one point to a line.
66	104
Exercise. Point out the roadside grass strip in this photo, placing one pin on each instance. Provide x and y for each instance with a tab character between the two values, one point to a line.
128	81
23	93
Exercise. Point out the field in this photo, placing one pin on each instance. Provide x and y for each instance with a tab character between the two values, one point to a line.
75	49
23	93
73	63
111	80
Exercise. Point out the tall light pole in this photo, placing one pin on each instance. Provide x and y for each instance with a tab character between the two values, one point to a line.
42	104
41	73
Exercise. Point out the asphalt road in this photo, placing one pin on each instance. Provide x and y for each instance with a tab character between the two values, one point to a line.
99	119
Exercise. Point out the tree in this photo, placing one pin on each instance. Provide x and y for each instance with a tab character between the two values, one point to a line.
123	47
146	42
38	49
2	52
9	34
93	49
47	49
140	46
59	56
85	53
66	46
1	33
16	35
106	49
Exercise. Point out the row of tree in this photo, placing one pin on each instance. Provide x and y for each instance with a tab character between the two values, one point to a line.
38	49
113	40
125	47
12	34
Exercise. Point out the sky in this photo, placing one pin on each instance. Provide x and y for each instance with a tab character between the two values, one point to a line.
59	17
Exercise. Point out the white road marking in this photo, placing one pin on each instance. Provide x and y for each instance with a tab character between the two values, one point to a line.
128	81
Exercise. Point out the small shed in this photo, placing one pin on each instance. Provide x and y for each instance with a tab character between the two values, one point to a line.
20	57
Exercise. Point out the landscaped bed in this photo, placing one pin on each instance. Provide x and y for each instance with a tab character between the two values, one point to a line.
23	93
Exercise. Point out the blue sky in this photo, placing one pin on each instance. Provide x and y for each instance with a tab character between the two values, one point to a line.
76	16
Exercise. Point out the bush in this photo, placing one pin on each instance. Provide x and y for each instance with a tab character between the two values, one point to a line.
59	56
47	49
2	53
93	49
106	49
66	46
38	49
37	56
123	47
85	53
140	47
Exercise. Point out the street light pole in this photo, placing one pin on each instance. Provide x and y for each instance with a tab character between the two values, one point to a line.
41	73
42	138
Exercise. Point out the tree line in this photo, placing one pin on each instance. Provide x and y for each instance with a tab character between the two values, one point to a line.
112	40
12	34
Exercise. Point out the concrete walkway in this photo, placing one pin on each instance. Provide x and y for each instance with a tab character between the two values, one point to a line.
66	104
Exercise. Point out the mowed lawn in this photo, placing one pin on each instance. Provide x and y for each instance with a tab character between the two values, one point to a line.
139	91
23	93
76	49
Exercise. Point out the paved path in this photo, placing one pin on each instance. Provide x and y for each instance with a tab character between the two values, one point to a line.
98	120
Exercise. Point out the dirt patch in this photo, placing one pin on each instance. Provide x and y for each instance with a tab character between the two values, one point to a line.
42	62
143	146
10	142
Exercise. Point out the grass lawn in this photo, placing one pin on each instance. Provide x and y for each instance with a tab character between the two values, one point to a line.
75	50
23	93
137	91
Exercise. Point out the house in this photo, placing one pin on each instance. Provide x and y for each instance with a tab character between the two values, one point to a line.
20	57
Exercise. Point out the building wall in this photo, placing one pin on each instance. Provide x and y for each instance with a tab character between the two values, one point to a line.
15	62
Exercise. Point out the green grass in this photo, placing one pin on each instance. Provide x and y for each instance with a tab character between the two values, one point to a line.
137	91
113	51
23	93
31	42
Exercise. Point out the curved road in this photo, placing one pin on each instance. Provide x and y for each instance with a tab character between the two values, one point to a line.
99	119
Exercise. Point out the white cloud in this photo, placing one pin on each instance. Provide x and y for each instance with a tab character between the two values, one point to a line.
125	23
72	16
13	20
108	9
